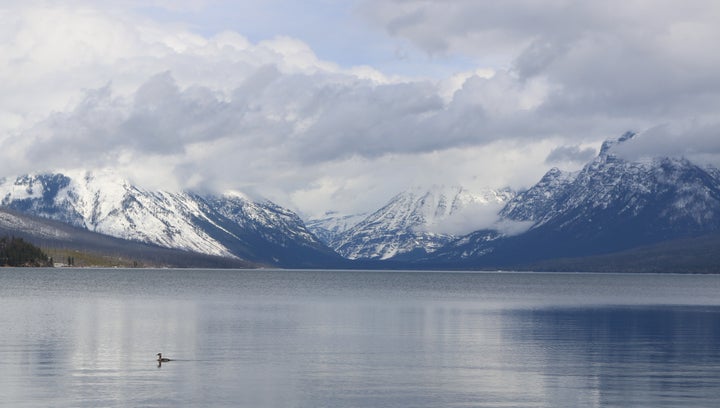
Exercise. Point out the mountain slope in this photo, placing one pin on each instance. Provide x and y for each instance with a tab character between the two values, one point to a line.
108	204
332	225
612	204
417	222
686	255
110	251
264	230
226	226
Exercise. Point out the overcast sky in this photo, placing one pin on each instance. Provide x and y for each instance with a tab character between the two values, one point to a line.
338	105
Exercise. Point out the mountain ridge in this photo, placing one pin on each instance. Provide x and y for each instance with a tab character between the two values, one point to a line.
226	226
104	250
417	221
612	204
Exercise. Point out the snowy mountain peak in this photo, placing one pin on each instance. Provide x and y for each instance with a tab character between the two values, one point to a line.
419	220
671	189
610	143
228	226
333	224
613	203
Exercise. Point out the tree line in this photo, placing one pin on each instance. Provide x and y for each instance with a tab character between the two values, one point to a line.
17	252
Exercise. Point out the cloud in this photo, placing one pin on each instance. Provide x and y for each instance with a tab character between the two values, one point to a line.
91	86
472	218
274	123
603	62
458	26
699	142
571	154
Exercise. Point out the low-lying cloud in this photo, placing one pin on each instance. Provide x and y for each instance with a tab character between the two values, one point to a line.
691	140
570	154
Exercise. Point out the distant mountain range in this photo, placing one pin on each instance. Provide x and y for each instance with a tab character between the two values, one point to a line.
414	223
611	210
230	226
611	205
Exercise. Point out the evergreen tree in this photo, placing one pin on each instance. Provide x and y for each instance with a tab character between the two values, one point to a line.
17	252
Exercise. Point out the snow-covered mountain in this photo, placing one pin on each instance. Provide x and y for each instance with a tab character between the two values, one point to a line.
665	194
330	226
612	204
418	221
229	225
104	250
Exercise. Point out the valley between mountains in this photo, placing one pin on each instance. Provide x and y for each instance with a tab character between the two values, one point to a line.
616	214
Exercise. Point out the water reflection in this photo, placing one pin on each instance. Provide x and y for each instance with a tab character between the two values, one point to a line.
627	356
390	340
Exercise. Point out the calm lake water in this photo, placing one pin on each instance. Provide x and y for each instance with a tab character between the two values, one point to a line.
88	338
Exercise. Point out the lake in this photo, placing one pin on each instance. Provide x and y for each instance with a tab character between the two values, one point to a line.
274	338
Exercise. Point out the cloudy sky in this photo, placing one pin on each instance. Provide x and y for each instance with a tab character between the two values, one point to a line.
338	105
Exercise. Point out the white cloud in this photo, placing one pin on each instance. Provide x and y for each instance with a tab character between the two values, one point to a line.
570	154
92	86
472	218
699	142
601	61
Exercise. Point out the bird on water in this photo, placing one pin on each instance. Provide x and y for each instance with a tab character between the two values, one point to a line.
160	358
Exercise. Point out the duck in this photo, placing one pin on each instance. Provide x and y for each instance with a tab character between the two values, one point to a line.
160	358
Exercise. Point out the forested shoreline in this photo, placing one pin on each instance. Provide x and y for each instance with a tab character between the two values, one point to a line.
18	252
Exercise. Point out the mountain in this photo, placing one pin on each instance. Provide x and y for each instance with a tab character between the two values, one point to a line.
417	222
61	240
685	255
226	226
615	208
263	231
612	204
332	225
